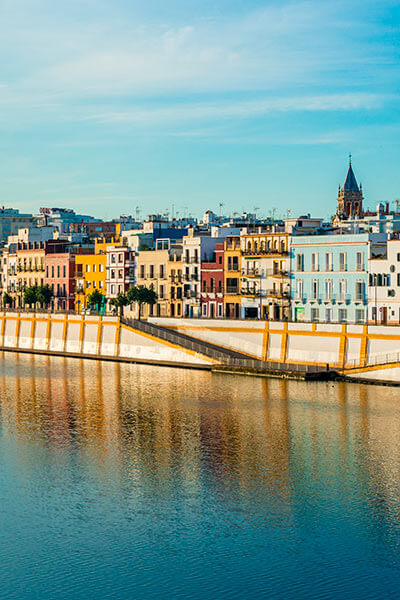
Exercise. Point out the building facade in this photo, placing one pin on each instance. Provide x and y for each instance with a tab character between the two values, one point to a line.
330	276
265	277
384	285
120	270
161	270
232	273
212	284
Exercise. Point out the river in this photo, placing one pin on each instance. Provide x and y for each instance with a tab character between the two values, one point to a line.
132	481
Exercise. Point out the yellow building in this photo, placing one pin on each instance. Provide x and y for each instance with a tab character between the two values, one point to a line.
90	273
30	268
232	267
161	270
265	276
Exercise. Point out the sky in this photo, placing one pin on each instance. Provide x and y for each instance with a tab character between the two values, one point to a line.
133	107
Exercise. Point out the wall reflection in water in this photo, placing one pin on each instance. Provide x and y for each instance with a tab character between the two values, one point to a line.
160	425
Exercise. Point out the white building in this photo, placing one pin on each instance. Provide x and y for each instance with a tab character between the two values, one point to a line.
120	270
384	286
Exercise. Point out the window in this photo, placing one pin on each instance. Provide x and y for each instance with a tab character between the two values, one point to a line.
359	290
52	270
47	271
151	271
360	315
398	257
64	290
342	289
113	258
120	258
101	268
328	315
101	284
391	293
161	271
342	261
315	314
204	310
342	315
328	289
328	261
359	261
64	271
113	289
314	289
299	286
300	262
94	268
142	271
161	291
392	268
87	268
94	284
314	261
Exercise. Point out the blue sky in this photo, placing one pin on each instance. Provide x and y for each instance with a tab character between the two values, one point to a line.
106	106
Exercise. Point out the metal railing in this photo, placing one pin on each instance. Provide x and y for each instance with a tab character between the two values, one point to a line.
225	357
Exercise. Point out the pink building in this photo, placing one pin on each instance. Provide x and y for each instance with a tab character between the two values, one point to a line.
59	264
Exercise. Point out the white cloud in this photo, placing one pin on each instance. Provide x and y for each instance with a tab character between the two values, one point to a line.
240	109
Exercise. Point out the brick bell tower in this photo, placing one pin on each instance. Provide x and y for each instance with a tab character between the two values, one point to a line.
350	197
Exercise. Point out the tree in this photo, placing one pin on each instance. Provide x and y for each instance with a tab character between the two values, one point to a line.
31	295
95	299
7	299
44	294
119	302
141	295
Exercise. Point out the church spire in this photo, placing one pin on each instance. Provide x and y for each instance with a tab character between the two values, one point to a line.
350	184
350	196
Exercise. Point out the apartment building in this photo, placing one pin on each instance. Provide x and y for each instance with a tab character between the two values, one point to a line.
120	270
384	285
90	274
161	270
330	276
265	276
212	284
232	273
30	268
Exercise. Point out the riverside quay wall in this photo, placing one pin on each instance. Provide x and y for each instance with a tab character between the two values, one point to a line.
360	352
89	336
368	352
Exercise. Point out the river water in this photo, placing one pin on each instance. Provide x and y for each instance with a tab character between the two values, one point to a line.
125	481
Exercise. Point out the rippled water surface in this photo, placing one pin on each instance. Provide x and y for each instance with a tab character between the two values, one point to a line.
124	481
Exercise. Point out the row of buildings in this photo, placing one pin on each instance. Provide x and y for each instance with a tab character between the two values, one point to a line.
299	269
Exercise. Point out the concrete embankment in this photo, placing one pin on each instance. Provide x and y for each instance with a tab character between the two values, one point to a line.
90	336
288	350
362	352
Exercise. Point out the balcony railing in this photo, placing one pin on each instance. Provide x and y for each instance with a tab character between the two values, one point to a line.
264	252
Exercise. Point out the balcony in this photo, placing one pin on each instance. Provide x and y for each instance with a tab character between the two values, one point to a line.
232	290
251	272
277	294
264	252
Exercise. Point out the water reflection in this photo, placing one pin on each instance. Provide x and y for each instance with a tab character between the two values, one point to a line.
282	463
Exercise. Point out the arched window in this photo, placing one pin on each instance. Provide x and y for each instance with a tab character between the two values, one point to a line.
255	247
283	246
276	245
249	245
